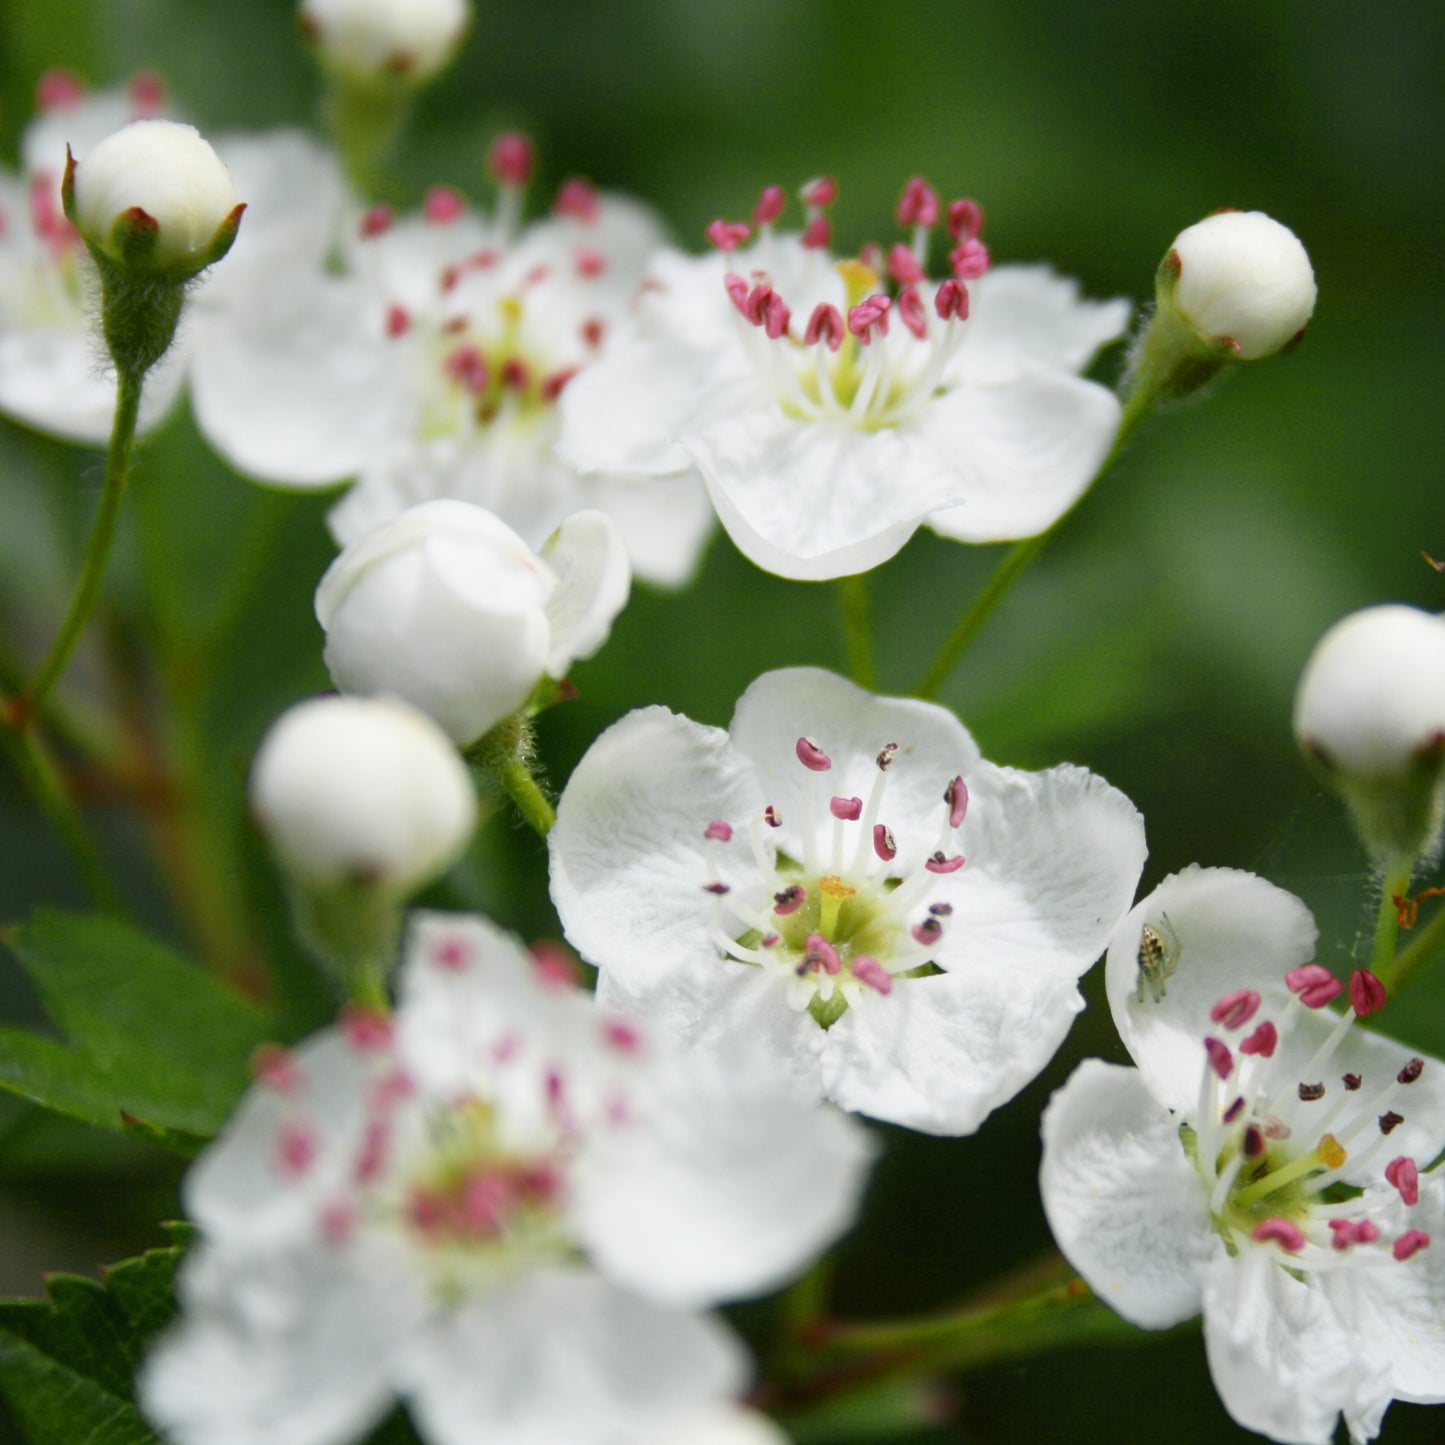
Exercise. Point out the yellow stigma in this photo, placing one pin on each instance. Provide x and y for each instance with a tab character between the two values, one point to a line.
860	280
835	894
1332	1153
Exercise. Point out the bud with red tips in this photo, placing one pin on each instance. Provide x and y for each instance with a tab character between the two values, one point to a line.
385	40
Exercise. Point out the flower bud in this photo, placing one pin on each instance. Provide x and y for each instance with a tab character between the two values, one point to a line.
154	196
448	608
1371	710
374	39
362	790
1242	280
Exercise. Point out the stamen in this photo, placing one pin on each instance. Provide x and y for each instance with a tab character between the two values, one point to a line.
918	205
847	809
375	222
951	300
727	235
1236	1009
578	198
1220	1059
928	932
820	192
910	308
443	205
1390	1121
869	971
718	830
296	1146
772	817
969	260
276	1067
939	864
452	953
1411	1071
790	900
903	266
826	325
365	1029
398	322
1405	1176
819	953
817	234
883	844
885	757
718	889
1290	1237
965	220
589	262
1352	1082
510	160
812	756
1309	1093
58	90
1349	1232
769	206
1367	993
1313	984
1410	1243
956	796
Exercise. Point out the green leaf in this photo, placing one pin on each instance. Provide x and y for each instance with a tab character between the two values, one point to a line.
153	1046
67	1362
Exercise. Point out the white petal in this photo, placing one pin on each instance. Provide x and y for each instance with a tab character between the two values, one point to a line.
939	1054
1126	1207
1235	931
1025	452
727	1184
665	522
315	1371
852	726
1283	1362
1027	318
295	387
629	865
593	581
564	1356
818	499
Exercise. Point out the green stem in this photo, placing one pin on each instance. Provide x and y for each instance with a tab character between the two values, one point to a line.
505	752
853	599
1016	561
102	534
1396	882
1421	950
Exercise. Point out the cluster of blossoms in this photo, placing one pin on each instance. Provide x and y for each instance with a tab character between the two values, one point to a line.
507	1203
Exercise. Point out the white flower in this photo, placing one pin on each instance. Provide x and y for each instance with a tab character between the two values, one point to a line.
448	608
830	414
1371	700
160	177
1262	1164
362	789
374	38
431	367
1242	279
715	1425
52	375
504	1207
801	879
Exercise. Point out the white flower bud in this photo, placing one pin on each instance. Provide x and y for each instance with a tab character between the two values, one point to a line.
1242	279
448	608
362	790
159	183
410	39
1371	708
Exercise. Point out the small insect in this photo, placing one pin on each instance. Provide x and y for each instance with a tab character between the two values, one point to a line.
1158	957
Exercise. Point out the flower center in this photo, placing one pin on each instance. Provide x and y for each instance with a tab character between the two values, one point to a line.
1274	1151
844	919
850	362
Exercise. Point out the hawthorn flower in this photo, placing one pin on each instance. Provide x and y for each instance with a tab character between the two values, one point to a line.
1265	1164
448	608
431	366
843	877
832	406
372	39
504	1206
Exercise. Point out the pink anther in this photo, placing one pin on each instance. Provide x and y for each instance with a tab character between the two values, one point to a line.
965	220
789	900
718	890
817	234
768	310
338	1223
870	312
910	308
727	235
770	205
398	321
819	953
510	160
452	953
552	384
467	367
872	973
772	816
578	199
375	1145
738	290
820	192
1283	1232
883	844
885	757
555	965
1235	1009
849	810
589	262
276	1067
365	1029
58	90
516	374
622	1036
1220	1059
1314	984
812	756
296	1147
1263	1041
956	796
826	325
443	205
1348	1232
918	205
592	331
903	265
928	932
718	831
969	260
1367	993
147	93
1405	1176
1411	1071
1411	1242
939	863
951	301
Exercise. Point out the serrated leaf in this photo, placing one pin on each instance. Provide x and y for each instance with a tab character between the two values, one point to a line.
67	1362
153	1046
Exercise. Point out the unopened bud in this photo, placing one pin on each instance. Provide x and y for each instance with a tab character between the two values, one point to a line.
375	39
1371	710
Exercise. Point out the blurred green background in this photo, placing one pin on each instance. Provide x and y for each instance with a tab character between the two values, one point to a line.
1157	642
